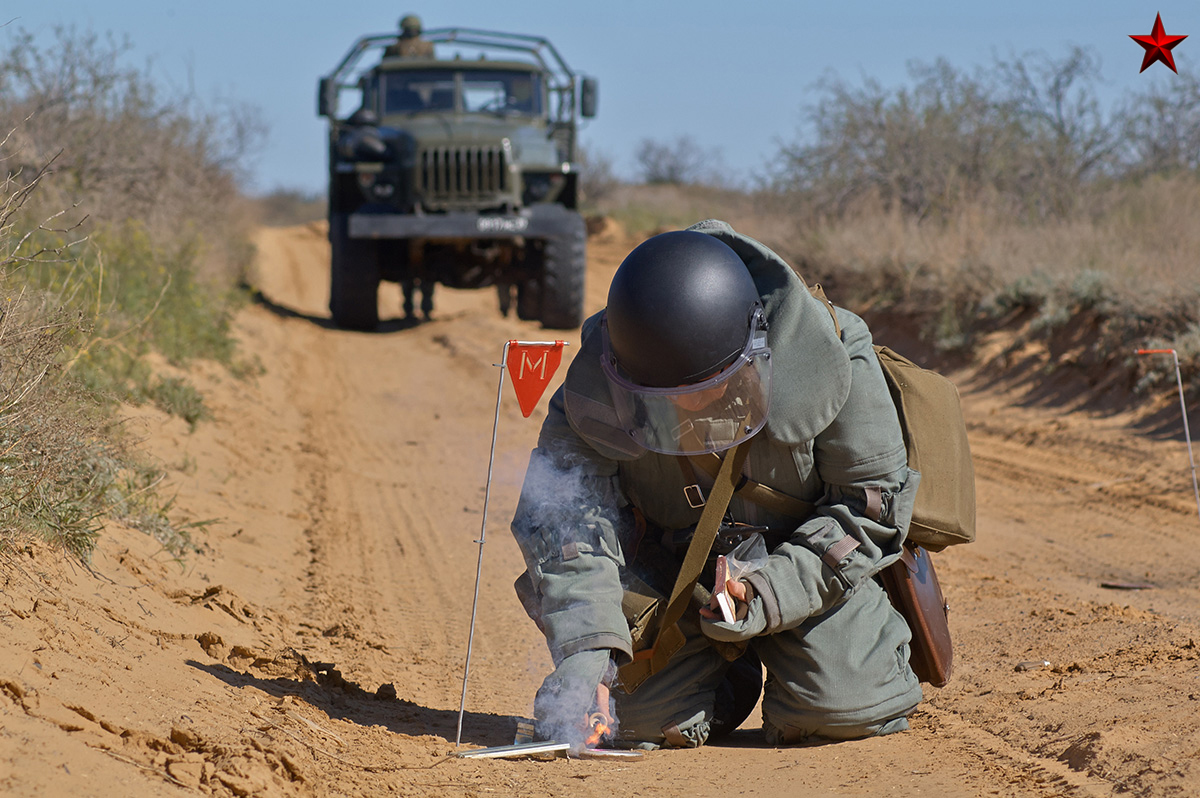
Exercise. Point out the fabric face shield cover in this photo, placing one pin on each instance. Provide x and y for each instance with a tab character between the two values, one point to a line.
707	416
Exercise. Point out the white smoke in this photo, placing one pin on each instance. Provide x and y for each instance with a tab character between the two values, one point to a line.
558	507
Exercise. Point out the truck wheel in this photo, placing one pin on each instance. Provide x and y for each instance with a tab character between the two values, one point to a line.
562	279
353	277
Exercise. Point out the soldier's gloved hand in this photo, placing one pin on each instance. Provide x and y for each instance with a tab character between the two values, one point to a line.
577	688
751	618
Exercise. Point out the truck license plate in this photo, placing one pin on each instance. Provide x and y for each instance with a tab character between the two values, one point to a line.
501	224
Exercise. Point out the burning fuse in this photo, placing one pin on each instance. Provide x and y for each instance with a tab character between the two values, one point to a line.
600	729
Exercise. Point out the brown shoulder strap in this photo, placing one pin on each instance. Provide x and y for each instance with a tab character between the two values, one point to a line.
698	549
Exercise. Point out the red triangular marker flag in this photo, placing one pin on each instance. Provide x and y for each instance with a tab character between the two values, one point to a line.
532	366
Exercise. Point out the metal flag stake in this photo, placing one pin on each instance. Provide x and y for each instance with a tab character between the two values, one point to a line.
540	370
1183	407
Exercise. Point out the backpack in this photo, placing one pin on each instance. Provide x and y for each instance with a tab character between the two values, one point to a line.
935	436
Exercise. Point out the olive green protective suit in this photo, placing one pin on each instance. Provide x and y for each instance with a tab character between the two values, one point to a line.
835	651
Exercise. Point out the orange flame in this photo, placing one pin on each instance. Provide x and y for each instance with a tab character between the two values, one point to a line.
600	729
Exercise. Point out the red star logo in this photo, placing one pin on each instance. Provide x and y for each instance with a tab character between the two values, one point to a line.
1158	46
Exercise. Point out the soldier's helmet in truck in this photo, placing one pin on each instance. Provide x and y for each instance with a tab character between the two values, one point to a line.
457	169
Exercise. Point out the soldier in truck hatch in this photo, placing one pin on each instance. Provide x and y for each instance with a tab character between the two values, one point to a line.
711	347
410	44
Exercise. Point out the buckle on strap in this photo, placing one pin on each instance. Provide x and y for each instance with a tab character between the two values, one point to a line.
837	552
695	496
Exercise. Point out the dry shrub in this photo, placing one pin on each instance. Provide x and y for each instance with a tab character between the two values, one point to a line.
1141	240
126	151
65	466
1007	197
122	231
597	177
681	162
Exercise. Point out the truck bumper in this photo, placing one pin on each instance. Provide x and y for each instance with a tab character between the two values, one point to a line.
537	222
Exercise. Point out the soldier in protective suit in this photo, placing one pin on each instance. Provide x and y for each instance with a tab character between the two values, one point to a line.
710	340
410	44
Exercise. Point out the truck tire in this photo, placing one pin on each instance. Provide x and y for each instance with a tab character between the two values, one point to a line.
563	272
353	277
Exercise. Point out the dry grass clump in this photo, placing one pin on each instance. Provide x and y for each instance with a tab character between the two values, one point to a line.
1132	262
1141	239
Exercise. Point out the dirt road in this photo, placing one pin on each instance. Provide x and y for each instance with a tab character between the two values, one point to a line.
315	643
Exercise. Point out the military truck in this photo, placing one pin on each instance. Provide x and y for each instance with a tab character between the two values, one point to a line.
459	170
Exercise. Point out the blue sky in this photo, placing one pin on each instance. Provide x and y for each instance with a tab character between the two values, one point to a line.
736	77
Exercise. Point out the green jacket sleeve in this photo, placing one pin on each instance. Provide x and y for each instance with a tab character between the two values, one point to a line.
861	521
568	525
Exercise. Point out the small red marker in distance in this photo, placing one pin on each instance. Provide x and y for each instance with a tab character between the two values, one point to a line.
1158	46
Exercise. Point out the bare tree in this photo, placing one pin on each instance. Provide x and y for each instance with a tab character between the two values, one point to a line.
1070	138
1030	131
678	162
921	147
1161	128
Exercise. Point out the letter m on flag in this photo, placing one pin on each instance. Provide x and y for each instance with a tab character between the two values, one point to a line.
532	366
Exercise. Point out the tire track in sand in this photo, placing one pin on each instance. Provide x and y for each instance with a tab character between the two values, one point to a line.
396	427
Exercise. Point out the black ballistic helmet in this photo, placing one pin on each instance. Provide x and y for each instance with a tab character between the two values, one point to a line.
679	309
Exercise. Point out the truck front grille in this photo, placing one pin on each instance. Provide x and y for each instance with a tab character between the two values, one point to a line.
454	175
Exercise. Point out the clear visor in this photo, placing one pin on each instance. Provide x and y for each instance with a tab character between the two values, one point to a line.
708	416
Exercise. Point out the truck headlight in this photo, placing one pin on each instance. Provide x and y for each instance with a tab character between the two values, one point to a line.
374	182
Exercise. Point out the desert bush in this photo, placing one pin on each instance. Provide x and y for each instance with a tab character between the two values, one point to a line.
125	150
122	233
64	466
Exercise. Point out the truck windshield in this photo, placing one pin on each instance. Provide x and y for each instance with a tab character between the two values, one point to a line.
502	90
499	90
